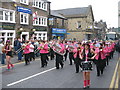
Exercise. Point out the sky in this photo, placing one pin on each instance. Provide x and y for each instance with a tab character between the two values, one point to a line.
106	10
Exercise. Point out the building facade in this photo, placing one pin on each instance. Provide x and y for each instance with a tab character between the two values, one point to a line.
57	26
79	22
24	19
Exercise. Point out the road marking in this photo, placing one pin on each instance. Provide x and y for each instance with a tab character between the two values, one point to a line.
19	81
17	63
113	78
116	84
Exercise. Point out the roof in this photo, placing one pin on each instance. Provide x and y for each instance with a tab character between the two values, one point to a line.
74	11
54	13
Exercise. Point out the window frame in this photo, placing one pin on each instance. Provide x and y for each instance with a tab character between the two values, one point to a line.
24	14
23	2
40	5
42	20
8	11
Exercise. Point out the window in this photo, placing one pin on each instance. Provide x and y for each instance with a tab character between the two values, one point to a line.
1	15
78	24
40	4
44	5
7	15
40	21
21	17
44	21
11	16
24	18
37	21
26	2
36	3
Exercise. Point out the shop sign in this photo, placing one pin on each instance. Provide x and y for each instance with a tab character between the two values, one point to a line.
57	30
24	10
7	26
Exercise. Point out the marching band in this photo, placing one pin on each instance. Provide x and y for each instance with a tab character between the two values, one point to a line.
83	54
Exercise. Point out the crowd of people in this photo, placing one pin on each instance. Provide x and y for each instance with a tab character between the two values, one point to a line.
80	53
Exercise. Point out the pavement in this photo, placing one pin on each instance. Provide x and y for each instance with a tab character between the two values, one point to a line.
33	76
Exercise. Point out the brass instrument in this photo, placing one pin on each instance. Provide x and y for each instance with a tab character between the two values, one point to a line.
20	49
71	48
41	47
58	48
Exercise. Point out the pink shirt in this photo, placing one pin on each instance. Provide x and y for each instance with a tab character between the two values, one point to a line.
26	49
45	48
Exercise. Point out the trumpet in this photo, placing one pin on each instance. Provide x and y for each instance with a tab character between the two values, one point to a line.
41	47
20	49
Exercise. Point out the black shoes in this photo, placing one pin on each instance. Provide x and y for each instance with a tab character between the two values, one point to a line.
86	87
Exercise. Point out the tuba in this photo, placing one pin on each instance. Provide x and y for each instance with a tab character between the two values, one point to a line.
57	48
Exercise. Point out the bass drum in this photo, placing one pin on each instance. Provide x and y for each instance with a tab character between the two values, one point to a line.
86	66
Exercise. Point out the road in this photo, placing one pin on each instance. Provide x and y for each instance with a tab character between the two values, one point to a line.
33	76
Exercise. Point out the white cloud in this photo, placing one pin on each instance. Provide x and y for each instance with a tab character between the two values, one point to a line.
107	10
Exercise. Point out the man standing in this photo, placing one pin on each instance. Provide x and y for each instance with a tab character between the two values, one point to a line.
2	54
15	45
19	46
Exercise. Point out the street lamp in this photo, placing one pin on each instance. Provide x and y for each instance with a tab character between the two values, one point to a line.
21	29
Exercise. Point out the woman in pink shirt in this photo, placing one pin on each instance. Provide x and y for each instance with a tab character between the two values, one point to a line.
26	47
59	57
43	53
100	59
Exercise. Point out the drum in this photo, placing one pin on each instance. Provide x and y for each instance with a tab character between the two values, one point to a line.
86	66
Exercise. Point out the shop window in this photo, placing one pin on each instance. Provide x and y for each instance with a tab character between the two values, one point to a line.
44	34
11	34
3	34
43	38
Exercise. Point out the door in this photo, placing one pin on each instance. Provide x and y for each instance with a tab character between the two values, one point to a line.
25	36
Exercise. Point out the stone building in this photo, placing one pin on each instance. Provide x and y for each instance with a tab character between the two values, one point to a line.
79	22
57	26
17	20
102	29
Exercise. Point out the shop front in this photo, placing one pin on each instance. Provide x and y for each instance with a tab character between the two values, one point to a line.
40	33
58	33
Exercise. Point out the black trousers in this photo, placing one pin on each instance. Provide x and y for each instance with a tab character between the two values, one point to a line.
71	57
43	59
27	57
51	54
66	55
100	64
77	64
59	60
32	56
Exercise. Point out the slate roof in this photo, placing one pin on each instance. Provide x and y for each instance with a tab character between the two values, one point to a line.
53	13
73	11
